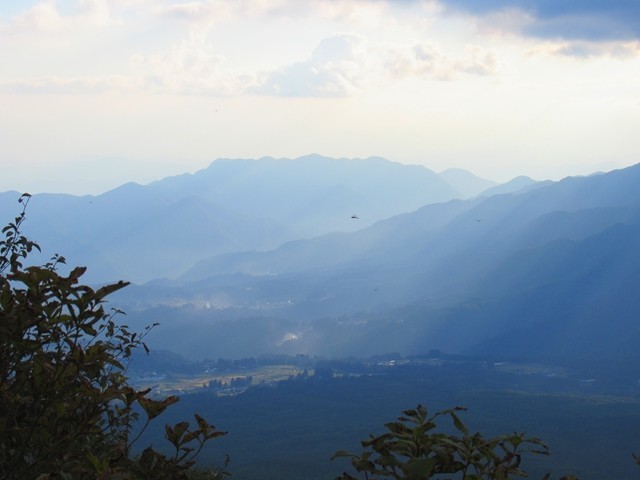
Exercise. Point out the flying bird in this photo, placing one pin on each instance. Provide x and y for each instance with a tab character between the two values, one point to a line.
355	217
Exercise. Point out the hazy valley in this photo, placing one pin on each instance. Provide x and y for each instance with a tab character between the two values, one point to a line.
322	256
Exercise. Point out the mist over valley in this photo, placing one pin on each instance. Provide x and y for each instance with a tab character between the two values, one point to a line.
340	257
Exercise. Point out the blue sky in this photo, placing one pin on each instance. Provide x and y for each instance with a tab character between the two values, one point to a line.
590	20
94	93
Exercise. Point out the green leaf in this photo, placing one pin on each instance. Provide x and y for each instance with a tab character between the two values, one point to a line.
419	468
151	407
343	453
458	423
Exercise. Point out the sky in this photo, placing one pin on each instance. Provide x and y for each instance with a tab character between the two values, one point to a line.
96	93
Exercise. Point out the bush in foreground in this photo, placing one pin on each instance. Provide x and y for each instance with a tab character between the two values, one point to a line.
66	408
412	449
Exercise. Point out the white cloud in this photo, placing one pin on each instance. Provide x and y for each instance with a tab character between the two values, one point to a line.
345	64
341	65
428	62
421	59
193	67
46	17
335	68
481	62
586	50
212	11
43	16
368	14
191	11
206	62
361	13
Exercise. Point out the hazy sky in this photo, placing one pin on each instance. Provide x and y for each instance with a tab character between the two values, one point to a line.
94	93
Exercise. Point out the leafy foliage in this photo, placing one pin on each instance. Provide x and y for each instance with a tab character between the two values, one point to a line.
412	450
66	408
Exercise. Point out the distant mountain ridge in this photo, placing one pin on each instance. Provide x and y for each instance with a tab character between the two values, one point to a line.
314	195
139	233
435	231
540	273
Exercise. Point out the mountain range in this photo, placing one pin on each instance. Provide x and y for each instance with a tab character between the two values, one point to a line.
540	271
142	232
545	272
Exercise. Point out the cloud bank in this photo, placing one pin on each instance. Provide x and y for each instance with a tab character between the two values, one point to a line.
590	20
